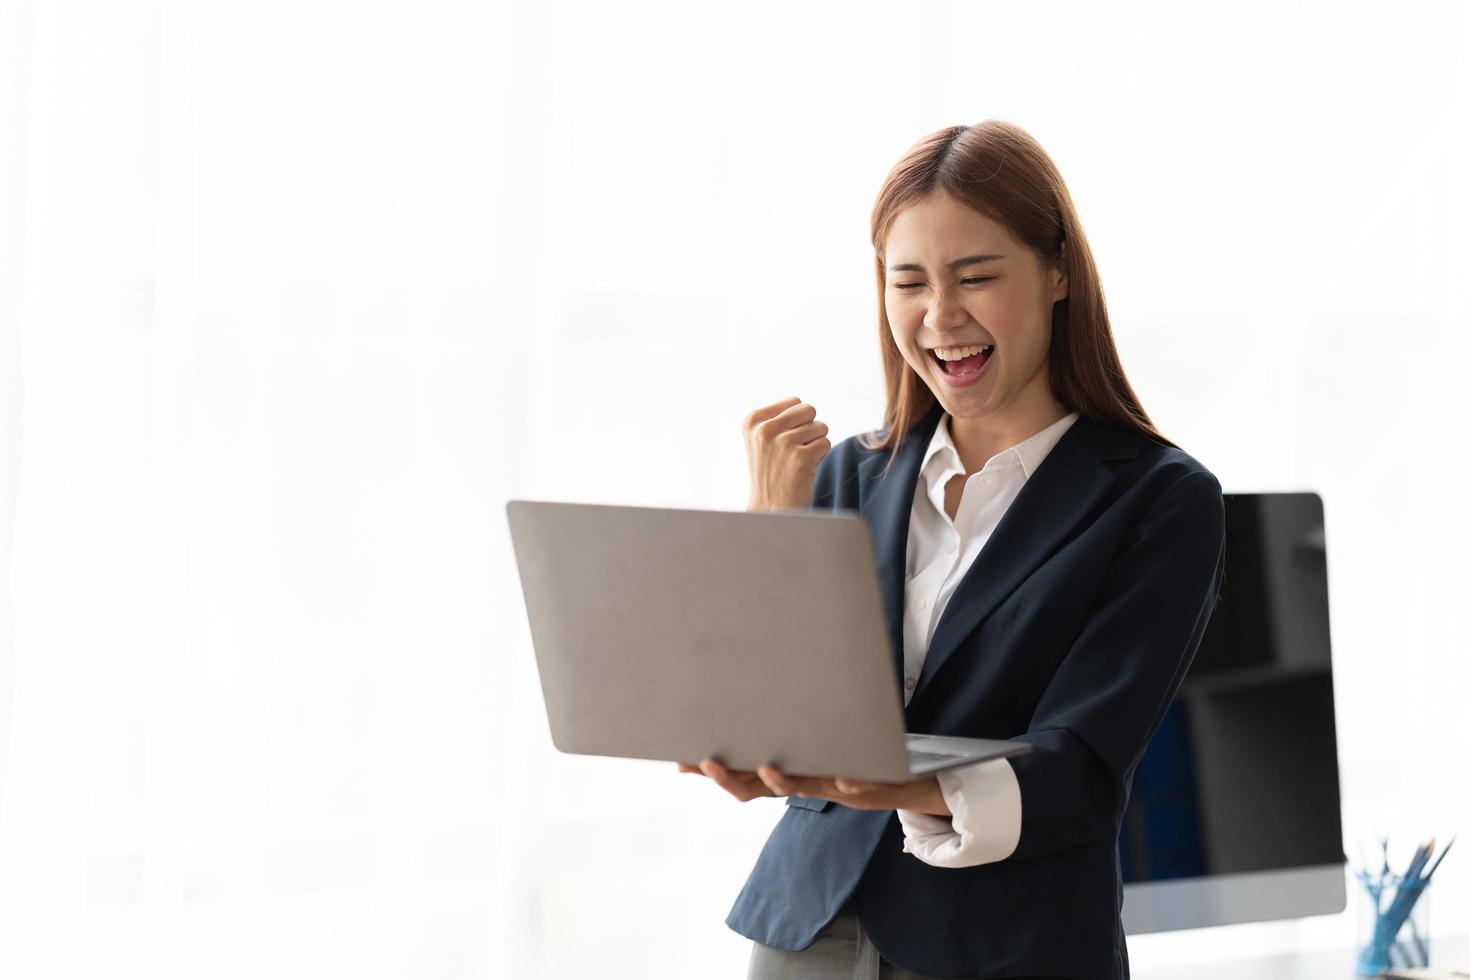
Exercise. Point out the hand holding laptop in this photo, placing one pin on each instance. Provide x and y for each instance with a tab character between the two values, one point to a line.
922	794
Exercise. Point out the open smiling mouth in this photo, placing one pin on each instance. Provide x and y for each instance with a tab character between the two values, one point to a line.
964	367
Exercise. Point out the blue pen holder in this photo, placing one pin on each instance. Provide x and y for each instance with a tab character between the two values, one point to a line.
1394	926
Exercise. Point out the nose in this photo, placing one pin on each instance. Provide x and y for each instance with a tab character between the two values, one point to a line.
944	312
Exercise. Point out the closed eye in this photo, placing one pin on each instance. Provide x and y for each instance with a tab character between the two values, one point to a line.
972	279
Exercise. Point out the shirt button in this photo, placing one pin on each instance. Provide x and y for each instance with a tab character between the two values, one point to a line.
909	683
985	481
919	603
952	547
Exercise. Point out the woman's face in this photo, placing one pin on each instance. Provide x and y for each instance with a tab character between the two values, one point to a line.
955	278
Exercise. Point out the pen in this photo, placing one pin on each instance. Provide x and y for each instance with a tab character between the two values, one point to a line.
1421	854
1441	856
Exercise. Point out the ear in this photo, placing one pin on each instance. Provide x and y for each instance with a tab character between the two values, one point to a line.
1059	287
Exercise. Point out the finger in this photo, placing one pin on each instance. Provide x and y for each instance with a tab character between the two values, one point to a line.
858	787
768	431
783	784
743	775
812	786
772	777
769	411
754	787
740	789
804	434
800	413
750	780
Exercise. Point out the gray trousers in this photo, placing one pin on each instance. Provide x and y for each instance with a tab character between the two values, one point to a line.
842	951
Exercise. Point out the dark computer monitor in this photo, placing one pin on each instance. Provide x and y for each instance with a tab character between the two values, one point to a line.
1234	813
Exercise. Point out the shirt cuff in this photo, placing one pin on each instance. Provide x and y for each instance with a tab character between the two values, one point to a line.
985	801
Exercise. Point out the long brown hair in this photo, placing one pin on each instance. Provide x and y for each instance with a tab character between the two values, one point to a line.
999	170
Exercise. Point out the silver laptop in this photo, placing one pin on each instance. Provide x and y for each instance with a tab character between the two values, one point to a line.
753	638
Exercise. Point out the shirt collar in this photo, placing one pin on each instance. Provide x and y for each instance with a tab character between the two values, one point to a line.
1028	453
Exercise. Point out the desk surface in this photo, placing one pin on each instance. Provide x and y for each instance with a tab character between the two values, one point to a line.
1445	952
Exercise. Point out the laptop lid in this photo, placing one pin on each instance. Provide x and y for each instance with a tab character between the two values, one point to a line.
675	634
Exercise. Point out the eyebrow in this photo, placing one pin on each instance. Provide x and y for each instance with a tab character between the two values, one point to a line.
957	263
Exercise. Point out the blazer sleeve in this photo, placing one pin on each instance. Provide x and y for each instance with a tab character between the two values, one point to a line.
830	469
1111	689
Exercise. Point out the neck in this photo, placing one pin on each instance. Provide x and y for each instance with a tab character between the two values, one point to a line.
978	439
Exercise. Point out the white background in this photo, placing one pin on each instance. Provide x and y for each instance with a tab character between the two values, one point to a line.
295	294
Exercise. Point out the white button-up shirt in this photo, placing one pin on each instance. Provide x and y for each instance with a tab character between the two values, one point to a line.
985	798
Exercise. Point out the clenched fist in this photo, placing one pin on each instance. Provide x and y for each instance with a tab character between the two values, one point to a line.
783	445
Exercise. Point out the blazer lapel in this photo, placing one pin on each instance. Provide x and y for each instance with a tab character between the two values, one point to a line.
886	504
1066	487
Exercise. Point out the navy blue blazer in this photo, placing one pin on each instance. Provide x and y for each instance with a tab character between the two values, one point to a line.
1071	631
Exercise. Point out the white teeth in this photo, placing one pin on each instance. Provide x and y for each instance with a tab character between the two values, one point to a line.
956	353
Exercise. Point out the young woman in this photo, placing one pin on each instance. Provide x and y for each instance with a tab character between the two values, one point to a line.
1049	563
